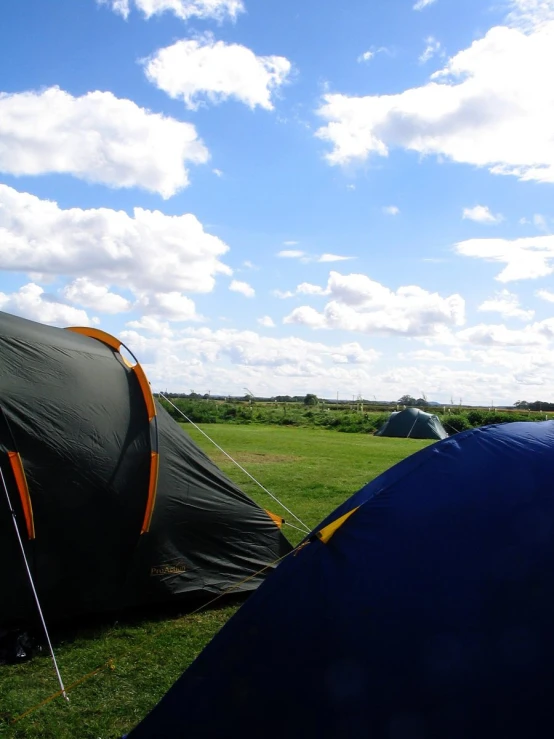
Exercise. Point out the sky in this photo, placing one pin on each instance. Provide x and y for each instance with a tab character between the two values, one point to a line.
336	197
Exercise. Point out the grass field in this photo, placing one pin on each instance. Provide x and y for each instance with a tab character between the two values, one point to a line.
311	471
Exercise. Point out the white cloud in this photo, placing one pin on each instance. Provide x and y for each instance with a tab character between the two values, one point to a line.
540	222
226	360
545	295
205	69
507	304
481	214
333	258
30	301
525	258
173	306
217	172
153	325
306	288
391	210
296	254
366	56
98	138
266	321
290	243
536	334
363	305
490	107
242	287
529	14
149	253
290	253
282	294
230	359
421	4
215	9
90	294
432	48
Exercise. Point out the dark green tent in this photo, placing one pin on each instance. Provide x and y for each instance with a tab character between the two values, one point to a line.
116	505
413	423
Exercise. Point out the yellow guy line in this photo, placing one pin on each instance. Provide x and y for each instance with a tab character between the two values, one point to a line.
109	664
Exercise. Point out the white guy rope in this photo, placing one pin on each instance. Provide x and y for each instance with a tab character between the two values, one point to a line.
14	519
414	423
305	528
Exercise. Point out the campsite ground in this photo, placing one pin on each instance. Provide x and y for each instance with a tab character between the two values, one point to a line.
311	471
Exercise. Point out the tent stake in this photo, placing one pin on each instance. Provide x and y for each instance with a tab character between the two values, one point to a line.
14	519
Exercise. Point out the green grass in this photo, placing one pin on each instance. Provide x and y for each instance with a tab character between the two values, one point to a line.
311	471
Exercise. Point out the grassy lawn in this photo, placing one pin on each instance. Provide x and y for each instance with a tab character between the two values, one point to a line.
311	471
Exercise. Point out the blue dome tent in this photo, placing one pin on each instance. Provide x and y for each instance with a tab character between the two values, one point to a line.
422	608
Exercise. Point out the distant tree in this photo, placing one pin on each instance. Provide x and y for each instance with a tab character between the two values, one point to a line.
421	402
310	399
407	400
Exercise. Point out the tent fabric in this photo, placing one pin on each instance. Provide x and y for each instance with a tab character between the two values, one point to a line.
426	615
413	423
77	415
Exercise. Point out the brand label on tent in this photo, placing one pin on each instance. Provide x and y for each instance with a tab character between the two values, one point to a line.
169	568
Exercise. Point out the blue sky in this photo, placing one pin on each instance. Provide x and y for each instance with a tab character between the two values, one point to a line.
294	197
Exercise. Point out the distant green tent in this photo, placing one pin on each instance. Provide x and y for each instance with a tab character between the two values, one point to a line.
414	424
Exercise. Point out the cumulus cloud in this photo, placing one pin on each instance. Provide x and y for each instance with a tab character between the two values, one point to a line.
98	138
525	258
363	305
290	253
507	304
366	56
306	288
370	54
536	334
432	48
529	14
489	106
421	4
148	253
266	321
173	306
333	258
90	294
30	301
184	9
547	295
229	359
283	294
160	329
540	222
391	210
242	287
481	214
304	257
195	70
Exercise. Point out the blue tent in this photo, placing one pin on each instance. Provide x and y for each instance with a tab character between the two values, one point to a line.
422	608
